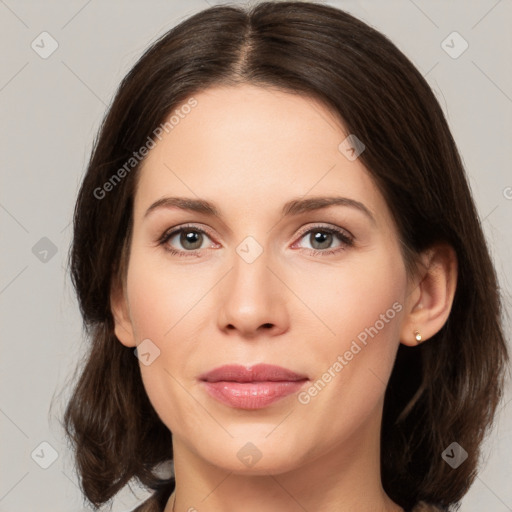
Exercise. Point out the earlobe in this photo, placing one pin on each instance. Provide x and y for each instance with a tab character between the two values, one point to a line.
432	300
120	311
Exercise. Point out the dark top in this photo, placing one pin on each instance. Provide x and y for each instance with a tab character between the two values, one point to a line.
157	502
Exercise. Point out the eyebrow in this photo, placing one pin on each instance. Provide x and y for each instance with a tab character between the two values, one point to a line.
291	208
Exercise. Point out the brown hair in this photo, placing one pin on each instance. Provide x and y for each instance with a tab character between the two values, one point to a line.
447	389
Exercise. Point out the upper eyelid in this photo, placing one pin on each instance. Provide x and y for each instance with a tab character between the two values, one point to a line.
179	228
336	229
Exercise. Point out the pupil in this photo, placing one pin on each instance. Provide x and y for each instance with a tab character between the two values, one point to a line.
319	235
191	237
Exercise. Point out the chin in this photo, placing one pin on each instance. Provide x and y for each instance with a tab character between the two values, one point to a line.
252	456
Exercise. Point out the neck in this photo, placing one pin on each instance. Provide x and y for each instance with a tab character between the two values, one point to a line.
345	479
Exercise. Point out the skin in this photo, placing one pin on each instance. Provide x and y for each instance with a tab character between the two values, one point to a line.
249	150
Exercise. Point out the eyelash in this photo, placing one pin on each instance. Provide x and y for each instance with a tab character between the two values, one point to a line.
346	239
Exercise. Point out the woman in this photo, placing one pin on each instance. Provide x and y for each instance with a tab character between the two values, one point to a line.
357	372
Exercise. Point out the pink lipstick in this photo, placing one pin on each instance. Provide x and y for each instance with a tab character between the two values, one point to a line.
252	387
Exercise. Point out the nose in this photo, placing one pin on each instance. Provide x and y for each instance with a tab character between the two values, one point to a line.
252	299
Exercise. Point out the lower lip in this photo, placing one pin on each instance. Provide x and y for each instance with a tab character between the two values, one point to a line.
252	395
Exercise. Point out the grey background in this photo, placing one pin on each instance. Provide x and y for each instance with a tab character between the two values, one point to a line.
51	109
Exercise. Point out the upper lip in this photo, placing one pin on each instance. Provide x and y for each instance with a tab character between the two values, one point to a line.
256	373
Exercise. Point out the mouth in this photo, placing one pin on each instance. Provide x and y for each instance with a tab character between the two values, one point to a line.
252	387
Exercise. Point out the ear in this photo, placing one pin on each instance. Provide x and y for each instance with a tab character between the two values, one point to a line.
121	312
430	299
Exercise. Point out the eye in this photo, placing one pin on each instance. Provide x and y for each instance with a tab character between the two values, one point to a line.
322	237
190	238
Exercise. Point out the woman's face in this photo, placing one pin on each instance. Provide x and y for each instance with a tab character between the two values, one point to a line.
268	280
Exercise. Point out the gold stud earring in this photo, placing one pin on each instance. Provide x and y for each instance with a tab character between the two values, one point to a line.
417	335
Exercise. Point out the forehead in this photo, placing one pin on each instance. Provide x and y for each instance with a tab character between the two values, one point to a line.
252	143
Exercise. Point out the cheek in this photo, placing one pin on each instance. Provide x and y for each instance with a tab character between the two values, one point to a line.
364	310
161	296
166	308
363	293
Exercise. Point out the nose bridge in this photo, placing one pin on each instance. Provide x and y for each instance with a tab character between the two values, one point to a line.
250	276
251	294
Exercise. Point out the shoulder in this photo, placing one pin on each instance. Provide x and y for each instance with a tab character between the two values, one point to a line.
425	507
147	506
158	500
150	505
